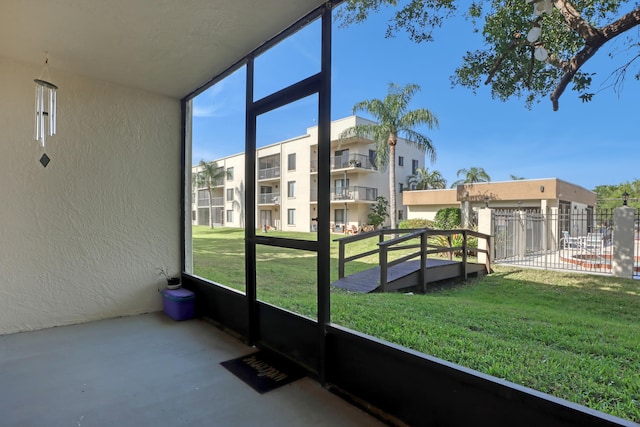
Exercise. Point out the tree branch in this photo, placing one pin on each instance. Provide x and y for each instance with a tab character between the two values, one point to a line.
621	25
500	59
576	22
572	68
593	43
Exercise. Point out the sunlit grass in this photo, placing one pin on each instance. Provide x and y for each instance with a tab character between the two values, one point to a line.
571	335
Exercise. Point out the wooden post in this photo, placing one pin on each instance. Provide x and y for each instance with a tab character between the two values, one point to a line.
464	255
487	261
423	261
383	267
340	259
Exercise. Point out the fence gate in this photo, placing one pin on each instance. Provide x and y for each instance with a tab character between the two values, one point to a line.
564	238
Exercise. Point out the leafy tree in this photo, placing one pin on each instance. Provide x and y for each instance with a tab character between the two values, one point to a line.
610	196
379	213
514	62
517	178
448	219
471	175
208	177
423	179
394	121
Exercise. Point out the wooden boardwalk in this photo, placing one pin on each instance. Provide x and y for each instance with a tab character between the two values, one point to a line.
404	275
411	269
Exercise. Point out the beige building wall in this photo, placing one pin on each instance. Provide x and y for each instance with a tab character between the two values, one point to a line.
439	199
237	205
82	239
516	194
305	177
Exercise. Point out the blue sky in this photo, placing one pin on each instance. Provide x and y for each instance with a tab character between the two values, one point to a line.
584	143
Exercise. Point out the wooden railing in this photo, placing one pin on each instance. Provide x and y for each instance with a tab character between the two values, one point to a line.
406	242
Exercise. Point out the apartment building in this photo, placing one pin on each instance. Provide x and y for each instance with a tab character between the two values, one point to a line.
287	183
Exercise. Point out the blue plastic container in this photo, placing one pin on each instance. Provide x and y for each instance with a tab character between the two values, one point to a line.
179	304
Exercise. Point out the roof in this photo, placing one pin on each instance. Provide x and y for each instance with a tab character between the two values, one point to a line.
525	189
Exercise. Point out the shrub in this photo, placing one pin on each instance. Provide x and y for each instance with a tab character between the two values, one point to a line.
416	223
448	218
378	213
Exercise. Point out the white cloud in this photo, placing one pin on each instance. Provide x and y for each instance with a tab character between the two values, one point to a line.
211	110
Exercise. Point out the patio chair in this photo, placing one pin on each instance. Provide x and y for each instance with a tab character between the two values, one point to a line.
593	241
567	241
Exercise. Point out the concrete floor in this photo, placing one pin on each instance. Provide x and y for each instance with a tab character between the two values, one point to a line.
148	370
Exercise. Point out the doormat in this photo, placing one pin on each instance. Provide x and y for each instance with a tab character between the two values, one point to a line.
264	371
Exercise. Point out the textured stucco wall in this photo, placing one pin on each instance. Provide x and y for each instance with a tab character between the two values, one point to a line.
81	239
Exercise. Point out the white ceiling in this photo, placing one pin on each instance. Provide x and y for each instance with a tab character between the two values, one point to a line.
170	47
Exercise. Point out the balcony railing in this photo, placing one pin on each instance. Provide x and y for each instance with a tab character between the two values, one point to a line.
216	201
354	161
351	161
355	193
269	199
269	173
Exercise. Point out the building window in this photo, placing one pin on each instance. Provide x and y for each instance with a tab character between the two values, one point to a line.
400	161
414	166
372	158
401	187
338	216
230	195
341	188
229	216
341	159
291	217
229	174
291	189
291	162
269	167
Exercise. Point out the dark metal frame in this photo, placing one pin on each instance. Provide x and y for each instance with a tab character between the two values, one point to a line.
399	383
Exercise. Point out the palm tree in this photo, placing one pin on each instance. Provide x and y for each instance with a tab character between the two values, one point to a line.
517	178
393	121
423	179
471	175
208	177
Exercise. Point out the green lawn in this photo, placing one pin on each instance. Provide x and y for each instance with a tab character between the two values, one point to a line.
570	335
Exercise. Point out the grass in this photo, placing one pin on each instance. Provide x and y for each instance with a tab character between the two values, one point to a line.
571	335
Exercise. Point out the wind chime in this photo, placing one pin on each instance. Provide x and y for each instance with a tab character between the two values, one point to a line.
540	7
45	111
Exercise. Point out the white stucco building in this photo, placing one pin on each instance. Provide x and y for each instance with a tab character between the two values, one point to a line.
287	182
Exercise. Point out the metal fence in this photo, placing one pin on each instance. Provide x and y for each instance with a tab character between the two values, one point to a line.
563	238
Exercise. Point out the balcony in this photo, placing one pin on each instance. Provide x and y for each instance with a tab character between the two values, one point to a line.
269	173
269	199
353	193
352	161
215	201
357	162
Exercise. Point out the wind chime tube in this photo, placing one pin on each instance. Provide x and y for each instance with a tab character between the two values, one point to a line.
52	113
36	131
43	135
40	135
